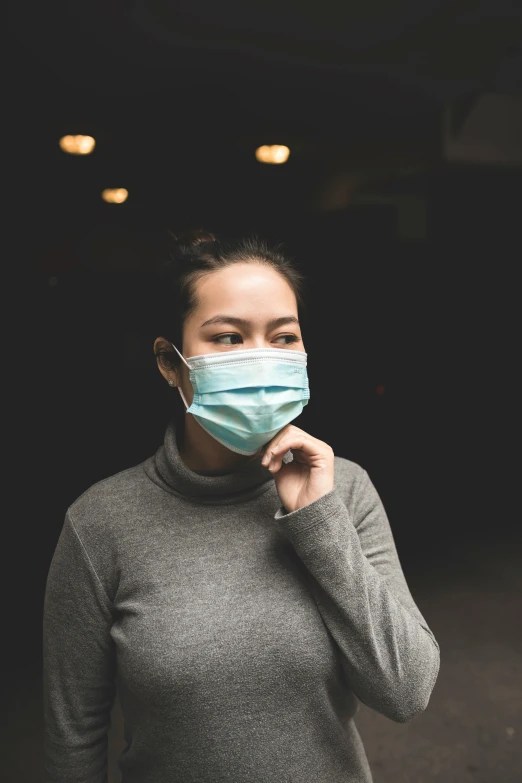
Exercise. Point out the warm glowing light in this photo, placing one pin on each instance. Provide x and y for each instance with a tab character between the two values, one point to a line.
115	195
77	145
275	153
380	390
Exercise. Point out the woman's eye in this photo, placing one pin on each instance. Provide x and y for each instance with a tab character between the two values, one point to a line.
235	339
290	338
225	339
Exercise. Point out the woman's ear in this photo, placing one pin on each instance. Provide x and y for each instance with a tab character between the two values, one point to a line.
165	357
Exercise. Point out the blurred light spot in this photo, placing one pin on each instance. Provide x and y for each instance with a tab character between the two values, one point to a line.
77	145
275	153
115	195
380	390
52	281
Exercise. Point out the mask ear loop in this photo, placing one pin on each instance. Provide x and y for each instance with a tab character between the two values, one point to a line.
179	387
180	355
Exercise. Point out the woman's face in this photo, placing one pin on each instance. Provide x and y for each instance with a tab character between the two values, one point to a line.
244	305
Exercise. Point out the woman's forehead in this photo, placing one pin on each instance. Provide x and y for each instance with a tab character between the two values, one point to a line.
249	282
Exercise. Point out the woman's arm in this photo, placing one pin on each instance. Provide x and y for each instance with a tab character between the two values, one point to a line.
79	665
389	654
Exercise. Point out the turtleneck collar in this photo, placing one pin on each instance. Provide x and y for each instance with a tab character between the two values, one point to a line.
167	469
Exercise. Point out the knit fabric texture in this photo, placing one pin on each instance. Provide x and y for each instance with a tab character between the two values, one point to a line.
240	638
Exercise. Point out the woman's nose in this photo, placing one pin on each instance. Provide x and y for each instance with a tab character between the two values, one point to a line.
258	342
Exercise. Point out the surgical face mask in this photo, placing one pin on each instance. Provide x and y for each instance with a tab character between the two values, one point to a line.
243	398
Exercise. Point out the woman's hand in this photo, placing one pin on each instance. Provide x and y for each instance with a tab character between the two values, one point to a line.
311	472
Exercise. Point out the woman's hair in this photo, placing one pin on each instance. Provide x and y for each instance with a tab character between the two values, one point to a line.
197	253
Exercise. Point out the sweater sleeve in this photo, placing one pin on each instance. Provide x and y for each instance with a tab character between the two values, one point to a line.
78	666
389	655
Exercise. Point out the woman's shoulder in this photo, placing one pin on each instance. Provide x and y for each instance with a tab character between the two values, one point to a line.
111	497
347	469
347	477
101	517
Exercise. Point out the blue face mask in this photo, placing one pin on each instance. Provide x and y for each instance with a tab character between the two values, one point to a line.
243	398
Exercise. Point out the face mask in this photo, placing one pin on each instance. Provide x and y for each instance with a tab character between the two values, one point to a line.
243	398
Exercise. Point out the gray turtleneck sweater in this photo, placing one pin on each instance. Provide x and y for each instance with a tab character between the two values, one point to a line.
240	638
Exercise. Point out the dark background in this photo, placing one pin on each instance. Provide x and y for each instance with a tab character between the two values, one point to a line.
400	201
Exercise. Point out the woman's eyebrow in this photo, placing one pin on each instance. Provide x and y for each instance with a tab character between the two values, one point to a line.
230	319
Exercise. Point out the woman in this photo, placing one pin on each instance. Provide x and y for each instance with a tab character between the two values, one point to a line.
241	588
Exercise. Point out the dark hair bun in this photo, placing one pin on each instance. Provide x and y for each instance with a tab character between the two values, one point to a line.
193	237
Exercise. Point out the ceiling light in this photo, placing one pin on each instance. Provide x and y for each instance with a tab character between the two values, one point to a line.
275	153
115	195
77	145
